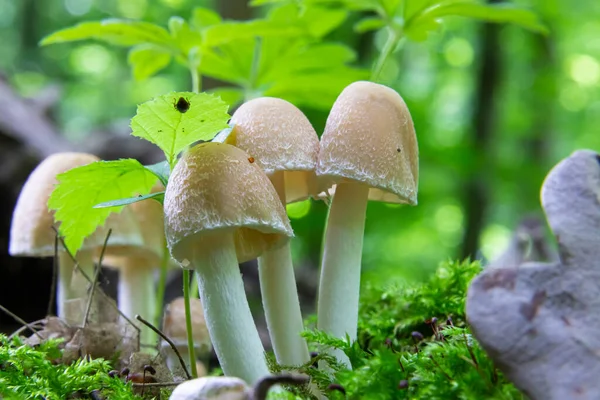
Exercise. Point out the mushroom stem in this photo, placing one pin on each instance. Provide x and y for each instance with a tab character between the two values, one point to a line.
226	310
280	298
340	266
71	285
136	294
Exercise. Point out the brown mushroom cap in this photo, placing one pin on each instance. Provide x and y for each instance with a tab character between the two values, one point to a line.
31	228
280	138
174	324
215	189
370	138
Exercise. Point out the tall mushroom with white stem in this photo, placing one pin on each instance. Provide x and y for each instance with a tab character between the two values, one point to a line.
31	232
285	145
138	262
369	150
221	209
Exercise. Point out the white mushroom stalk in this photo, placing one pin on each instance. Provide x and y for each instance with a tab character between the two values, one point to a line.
282	141
221	209
369	149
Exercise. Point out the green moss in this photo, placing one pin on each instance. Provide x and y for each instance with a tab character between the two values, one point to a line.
34	373
391	360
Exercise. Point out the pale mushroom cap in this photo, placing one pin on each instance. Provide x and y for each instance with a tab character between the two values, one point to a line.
370	138
215	189
174	324
31	232
280	138
147	215
31	228
212	388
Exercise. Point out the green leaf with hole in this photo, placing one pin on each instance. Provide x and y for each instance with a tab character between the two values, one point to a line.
113	31
147	60
174	121
81	188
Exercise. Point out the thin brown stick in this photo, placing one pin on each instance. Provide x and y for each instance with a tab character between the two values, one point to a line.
156	384
88	306
39	324
162	335
20	320
101	292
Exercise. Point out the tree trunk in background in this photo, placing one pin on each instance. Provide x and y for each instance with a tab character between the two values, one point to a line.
476	190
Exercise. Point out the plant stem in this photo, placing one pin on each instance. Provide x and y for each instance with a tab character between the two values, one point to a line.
341	263
188	322
280	298
136	294
196	85
226	310
162	284
390	45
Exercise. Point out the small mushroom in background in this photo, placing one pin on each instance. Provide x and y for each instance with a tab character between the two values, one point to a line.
281	140
137	262
32	235
220	210
539	322
369	150
228	388
175	329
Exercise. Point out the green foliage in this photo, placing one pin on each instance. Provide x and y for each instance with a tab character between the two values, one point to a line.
81	188
161	122
445	363
34	373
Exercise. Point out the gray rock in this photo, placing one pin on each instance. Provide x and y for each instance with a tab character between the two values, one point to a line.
540	322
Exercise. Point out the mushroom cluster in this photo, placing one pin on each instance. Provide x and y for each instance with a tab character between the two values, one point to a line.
225	203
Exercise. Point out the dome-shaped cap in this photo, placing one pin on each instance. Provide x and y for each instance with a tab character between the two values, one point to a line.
31	227
174	323
370	138
280	138
212	388
215	189
147	215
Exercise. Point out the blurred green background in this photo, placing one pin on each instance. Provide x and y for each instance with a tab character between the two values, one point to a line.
494	108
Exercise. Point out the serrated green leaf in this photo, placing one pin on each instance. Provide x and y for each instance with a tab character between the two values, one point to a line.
159	121
162	170
158	196
203	18
230	95
147	60
113	31
81	188
369	24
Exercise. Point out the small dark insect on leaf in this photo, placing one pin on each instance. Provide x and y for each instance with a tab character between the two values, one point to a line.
250	160
398	150
182	105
